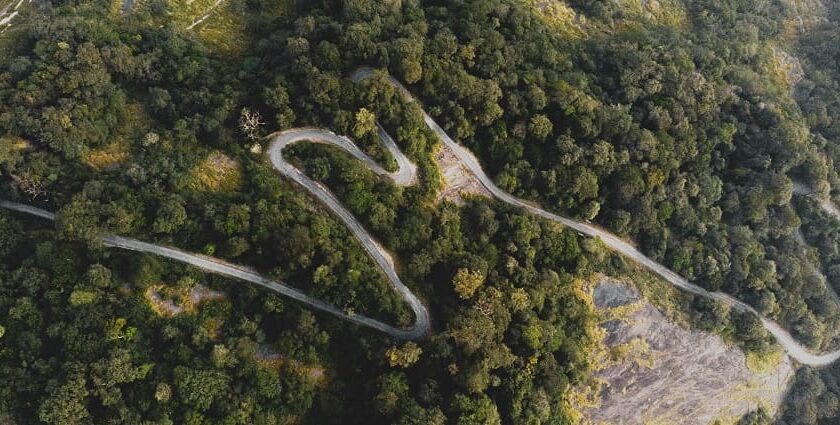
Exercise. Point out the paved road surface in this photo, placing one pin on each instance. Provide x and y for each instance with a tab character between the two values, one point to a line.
794	349
406	175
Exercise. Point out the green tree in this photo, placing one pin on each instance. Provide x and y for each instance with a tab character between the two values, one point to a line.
170	216
756	417
392	387
199	388
364	124
404	356
479	410
237	221
466	282
79	221
81	297
108	374
163	392
99	276
9	234
540	126
66	404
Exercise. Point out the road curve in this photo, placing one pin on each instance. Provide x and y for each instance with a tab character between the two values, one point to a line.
785	339
828	206
404	176
234	271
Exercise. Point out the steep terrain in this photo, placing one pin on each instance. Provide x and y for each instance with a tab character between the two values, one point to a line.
663	373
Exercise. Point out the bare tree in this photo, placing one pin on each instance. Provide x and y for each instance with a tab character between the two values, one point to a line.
250	123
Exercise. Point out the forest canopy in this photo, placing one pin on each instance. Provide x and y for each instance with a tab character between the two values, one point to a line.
672	129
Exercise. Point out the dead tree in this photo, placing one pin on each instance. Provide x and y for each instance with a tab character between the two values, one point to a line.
250	123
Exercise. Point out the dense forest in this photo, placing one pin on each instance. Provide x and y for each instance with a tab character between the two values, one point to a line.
814	397
675	131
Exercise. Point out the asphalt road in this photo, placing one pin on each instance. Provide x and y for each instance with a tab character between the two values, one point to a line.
793	348
234	271
405	176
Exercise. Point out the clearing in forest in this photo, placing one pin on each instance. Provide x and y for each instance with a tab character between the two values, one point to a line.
217	173
458	181
169	302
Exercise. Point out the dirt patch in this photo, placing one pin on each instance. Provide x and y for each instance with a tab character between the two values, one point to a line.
458	181
167	302
659	372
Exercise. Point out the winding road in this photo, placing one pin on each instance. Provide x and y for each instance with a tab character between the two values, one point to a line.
234	271
406	175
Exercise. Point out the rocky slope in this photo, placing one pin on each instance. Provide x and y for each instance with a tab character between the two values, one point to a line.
663	373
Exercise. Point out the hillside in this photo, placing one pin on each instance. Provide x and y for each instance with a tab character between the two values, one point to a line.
205	201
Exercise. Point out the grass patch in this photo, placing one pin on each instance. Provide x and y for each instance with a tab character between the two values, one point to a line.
108	157
178	13
565	20
637	351
185	12
785	69
587	393
11	10
669	13
678	306
227	29
672	302
115	7
569	23
14	144
133	124
764	363
216	173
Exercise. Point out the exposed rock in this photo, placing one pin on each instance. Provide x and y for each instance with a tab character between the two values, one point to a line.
669	374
